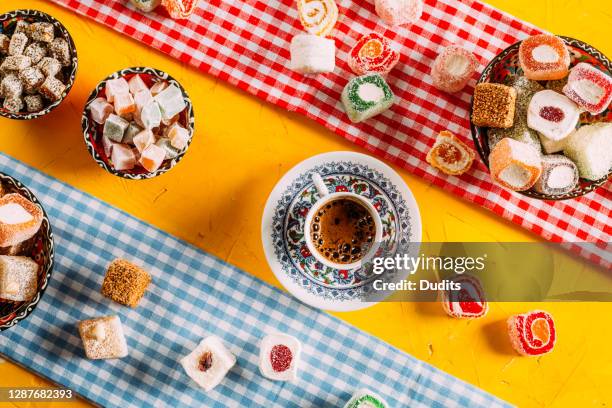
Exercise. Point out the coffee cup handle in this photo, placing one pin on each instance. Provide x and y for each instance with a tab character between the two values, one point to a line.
320	185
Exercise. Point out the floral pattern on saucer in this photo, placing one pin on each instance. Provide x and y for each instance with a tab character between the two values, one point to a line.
288	228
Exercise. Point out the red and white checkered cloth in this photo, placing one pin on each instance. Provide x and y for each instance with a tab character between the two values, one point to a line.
246	43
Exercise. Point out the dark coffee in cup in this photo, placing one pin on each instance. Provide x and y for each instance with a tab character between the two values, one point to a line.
343	230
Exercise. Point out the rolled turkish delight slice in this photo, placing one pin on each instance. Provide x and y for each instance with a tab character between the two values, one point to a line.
318	17
494	105
366	96
544	57
311	54
279	357
365	398
373	54
208	363
559	175
515	165
532	333
13	104
453	68
180	9
450	154
552	114
469	302
20	219
590	88
590	147
399	12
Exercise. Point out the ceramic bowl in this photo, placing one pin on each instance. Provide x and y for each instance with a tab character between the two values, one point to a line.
68	74
505	66
40	248
92	131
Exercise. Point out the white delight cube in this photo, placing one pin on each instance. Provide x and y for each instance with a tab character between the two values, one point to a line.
103	338
279	357
208	363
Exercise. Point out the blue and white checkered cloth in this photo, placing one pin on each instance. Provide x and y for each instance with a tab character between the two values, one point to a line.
194	295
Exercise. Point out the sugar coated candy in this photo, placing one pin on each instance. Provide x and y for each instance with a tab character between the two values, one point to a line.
143	140
18	278
399	12
11	86
142	98
180	9
373	54
469	302
450	155
103	338
20	219
100	109
590	147
152	157
366	96
494	105
136	85
453	68
178	136
279	357
590	88
365	398
31	78
15	63
150	115
123	157
36	52
124	104
171	101
550	146
532	333
171	151
52	89
131	132
146	5
318	17
42	31
49	66
515	165
13	104
18	43
208	363
311	54
544	57
34	103
22	26
60	50
115	87
4	44
559	175
115	127
552	114
525	89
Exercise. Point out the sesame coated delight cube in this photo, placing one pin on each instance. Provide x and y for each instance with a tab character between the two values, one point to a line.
494	105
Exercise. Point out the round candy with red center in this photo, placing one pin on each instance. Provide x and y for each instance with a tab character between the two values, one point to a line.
373	54
532	333
180	9
467	302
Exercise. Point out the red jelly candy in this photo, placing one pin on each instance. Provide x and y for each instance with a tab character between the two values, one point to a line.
468	302
532	333
180	9
373	54
280	358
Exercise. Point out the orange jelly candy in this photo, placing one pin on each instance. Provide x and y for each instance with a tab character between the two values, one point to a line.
544	57
450	155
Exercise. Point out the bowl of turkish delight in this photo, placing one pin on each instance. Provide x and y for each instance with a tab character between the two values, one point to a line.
541	118
38	64
26	251
138	123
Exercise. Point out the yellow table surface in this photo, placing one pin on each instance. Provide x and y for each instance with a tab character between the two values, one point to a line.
215	197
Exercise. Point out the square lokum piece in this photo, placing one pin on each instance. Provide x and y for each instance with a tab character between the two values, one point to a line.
143	139
150	116
208	363
11	86
59	49
4	44
137	84
116	87
125	283
158	87
18	278
49	66
34	103
143	98
311	54
365	398
171	151
36	51
279	357
18	43
132	131
152	157
100	110
171	101
115	127
52	89
22	27
15	63
32	78
20	219
494	105
366	96
178	135
103	338
42	31
123	157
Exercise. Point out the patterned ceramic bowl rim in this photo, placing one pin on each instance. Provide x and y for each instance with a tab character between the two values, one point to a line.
28	307
40	16
86	124
478	134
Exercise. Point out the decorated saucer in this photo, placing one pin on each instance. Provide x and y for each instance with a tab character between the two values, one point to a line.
285	213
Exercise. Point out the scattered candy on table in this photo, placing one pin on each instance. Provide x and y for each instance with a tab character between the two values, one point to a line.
318	17
544	57
552	114
494	105
125	283
399	12
532	333
589	88
366	96
103	338
590	147
311	54
180	9
18	278
453	68
515	165
366	399
373	54
450	155
469	302
559	175
279	357
208	363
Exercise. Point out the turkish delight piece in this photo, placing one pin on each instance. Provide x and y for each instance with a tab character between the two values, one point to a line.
152	157
115	127
117	86
525	89
143	140
279	357
20	219
178	136
590	147
52	89
18	278
107	145
124	104
100	110
494	105
318	17
208	363
159	86
399	12
142	98
373	54
365	398
311	54
515	165
453	68
171	151
36	51
49	66
450	155
31	78
42	31
18	44
60	50
11	86
136	84
180	9
366	96
33	103
103	338
544	57
559	175
150	116
125	283
468	302
4	44
171	101
589	88
552	114
123	157
22	27
532	333
146	5
15	63
13	104
132	130
550	146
